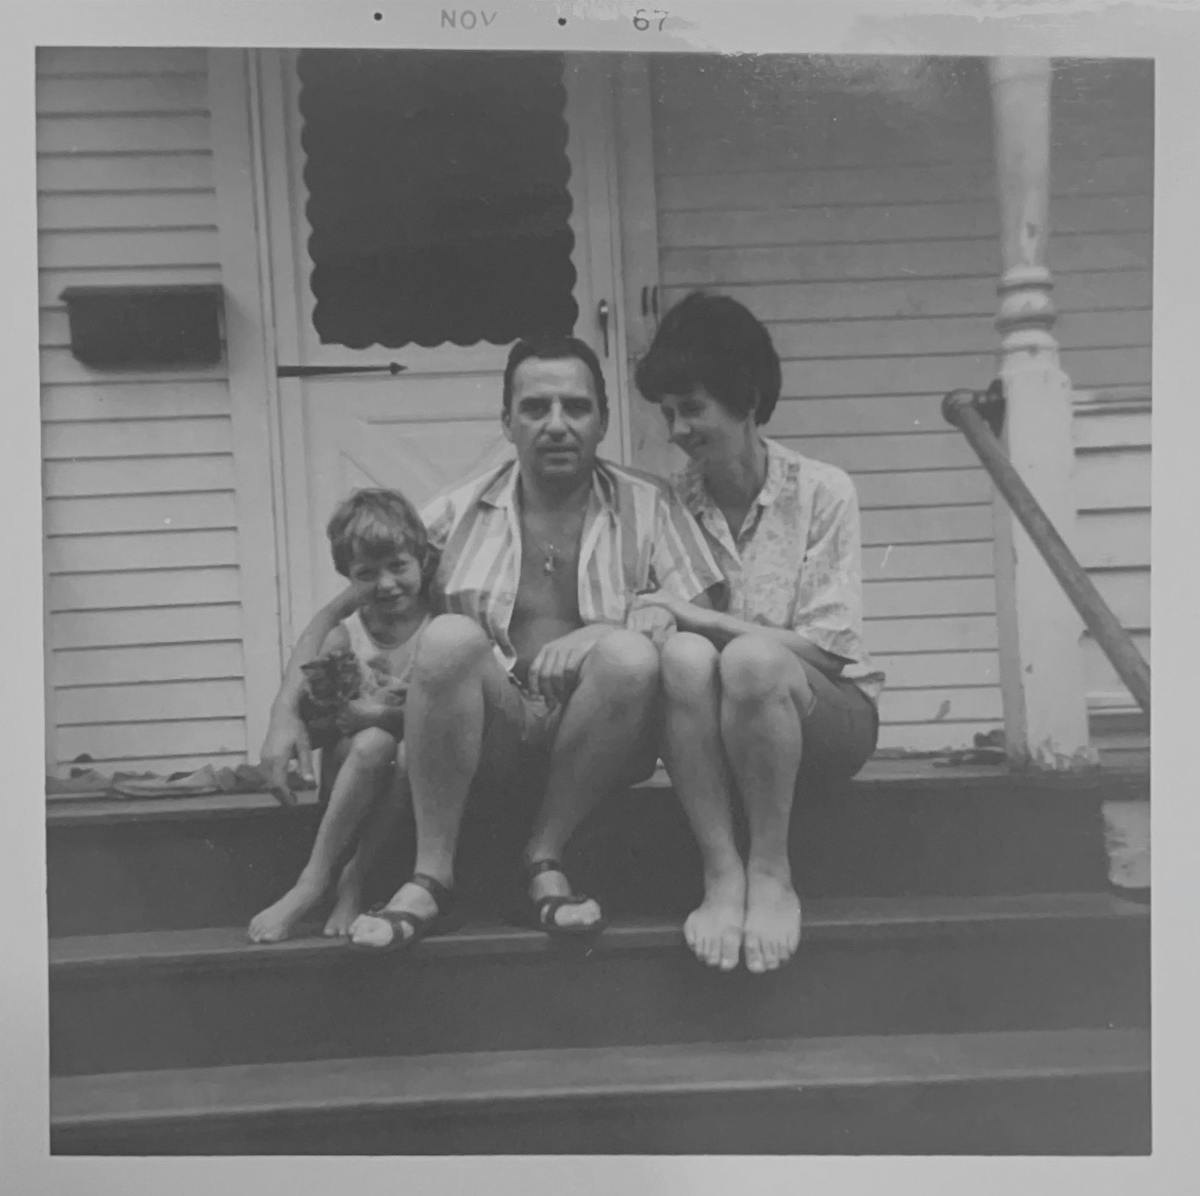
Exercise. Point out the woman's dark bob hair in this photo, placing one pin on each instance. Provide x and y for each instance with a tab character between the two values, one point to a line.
714	342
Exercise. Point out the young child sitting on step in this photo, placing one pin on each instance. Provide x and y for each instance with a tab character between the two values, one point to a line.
356	703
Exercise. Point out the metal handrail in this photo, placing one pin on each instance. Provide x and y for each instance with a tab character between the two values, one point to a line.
979	416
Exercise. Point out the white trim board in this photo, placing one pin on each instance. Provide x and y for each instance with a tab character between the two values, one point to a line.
248	326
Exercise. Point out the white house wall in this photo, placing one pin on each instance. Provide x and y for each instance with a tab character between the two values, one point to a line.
866	239
1104	151
863	227
144	623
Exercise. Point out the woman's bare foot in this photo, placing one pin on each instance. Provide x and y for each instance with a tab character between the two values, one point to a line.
367	930
347	905
771	932
276	922
714	930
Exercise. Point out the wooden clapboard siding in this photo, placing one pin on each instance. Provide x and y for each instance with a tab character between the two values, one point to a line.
193	472
1112	534
134	589
185	661
148	625
142	703
1112	374
864	232
145	626
851	204
182	737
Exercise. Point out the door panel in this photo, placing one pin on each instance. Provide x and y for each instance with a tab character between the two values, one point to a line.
373	434
437	422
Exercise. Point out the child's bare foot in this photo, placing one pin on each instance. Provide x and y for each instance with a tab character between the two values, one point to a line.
277	921
714	930
347	905
771	932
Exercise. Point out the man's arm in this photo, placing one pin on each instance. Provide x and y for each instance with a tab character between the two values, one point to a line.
682	564
286	738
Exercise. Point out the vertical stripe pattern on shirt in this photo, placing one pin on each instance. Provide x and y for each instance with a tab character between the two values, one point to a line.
635	529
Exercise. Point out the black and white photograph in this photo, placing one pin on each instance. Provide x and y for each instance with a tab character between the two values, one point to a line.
596	602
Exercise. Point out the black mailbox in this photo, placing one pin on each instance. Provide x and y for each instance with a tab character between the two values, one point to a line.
139	326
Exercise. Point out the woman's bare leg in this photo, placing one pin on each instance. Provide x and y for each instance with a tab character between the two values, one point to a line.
700	774
763	691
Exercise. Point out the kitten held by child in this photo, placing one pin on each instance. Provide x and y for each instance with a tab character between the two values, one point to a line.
354	705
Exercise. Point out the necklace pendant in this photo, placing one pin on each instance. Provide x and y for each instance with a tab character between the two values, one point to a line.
550	564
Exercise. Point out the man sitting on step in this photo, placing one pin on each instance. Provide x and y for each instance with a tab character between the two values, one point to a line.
538	653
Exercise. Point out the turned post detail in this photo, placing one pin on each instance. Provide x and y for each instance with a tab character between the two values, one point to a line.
1041	659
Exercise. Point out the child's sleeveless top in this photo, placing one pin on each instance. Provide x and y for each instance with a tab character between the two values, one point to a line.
373	655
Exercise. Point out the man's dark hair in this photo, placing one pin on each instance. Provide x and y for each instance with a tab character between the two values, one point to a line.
554	348
714	342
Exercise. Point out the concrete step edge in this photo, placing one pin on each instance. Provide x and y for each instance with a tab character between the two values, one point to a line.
426	1082
825	920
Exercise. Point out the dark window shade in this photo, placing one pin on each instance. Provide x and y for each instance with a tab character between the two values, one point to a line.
438	200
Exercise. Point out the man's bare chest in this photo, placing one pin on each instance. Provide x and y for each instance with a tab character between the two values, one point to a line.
550	553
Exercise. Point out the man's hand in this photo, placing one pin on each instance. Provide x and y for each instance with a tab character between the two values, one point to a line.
555	669
687	615
286	740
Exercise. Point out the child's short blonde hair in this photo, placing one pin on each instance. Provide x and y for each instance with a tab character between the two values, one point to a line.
375	522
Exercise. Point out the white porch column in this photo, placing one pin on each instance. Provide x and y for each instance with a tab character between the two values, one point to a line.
1041	661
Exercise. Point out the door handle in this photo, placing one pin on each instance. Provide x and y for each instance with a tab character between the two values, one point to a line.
602	316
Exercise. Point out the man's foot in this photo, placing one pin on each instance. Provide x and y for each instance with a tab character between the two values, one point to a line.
771	931
347	905
714	930
276	922
571	915
379	933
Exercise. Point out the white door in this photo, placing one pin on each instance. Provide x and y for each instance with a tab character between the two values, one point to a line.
438	420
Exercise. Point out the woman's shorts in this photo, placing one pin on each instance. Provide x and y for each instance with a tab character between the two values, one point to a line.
841	728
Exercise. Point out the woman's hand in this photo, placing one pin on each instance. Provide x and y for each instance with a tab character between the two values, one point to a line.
287	740
687	615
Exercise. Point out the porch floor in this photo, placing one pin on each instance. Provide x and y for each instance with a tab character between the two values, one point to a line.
878	775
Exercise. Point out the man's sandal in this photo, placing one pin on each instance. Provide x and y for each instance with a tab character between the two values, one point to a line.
543	909
419	925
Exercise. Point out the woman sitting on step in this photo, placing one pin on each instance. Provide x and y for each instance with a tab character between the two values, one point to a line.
776	691
355	702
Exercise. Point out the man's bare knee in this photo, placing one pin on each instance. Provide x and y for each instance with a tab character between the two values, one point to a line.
623	663
451	648
689	666
755	668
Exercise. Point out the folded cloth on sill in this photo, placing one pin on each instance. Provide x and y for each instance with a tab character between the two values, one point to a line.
206	781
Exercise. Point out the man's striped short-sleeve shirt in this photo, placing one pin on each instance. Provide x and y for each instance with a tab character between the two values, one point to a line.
637	537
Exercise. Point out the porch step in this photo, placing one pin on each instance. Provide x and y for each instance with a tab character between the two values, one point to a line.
184	863
202	998
1041	1092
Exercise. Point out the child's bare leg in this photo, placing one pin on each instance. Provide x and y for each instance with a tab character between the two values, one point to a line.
370	757
384	814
